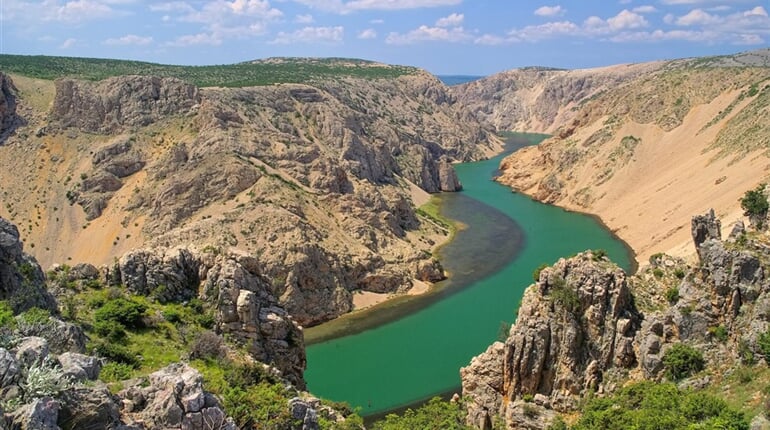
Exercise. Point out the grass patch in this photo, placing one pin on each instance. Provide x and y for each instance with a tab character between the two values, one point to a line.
431	211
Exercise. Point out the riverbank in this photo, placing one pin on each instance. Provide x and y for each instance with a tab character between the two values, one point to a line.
410	348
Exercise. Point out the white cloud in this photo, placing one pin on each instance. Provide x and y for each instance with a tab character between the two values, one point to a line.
757	11
425	33
377	21
311	35
533	33
626	20
697	17
340	6
196	39
644	9
369	33
172	6
69	43
453	20
550	11
224	11
304	19
130	39
66	12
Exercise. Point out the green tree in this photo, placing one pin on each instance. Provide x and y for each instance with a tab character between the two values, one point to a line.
755	206
682	361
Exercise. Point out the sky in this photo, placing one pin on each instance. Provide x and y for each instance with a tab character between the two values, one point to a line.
443	36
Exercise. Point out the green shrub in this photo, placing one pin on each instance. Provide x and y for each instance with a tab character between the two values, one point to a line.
437	414
598	254
116	352
6	316
111	330
650	405
719	333
755	204
123	311
172	315
527	397
679	273
658	273
206	320
672	295
536	273
558	424
655	258
746	353
35	316
764	345
565	296
114	372
682	360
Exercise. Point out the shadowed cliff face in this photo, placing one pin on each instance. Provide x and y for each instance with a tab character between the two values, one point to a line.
311	180
8	118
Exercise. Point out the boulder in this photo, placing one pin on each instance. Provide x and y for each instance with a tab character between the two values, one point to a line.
80	367
31	350
41	414
22	281
175	398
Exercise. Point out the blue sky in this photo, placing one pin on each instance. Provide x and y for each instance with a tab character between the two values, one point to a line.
442	36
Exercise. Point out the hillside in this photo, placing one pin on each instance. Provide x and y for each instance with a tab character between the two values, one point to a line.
642	146
319	181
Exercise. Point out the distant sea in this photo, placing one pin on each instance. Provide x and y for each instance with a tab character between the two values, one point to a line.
457	79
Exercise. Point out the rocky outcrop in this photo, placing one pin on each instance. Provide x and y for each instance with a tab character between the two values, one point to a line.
174	398
232	285
111	105
8	118
579	329
574	326
539	99
705	227
22	281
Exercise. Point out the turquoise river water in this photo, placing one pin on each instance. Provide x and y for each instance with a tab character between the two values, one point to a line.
411	349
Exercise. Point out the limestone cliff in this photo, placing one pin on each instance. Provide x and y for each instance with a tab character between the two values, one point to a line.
651	151
8	118
313	180
587	327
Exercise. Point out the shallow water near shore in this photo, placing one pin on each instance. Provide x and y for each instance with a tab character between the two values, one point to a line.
408	350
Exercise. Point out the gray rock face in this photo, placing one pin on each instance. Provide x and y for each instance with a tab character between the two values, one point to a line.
175	399
169	276
8	118
447	177
576	324
10	373
22	281
241	297
482	383
246	310
31	350
41	414
110	105
89	408
705	227
80	367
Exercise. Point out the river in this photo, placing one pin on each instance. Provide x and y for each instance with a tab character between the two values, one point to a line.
412	349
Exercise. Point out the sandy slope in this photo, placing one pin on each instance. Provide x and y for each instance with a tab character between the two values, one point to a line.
671	176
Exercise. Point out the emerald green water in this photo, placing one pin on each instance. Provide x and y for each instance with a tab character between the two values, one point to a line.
412	351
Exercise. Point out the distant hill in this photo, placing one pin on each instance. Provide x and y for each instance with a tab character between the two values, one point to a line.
252	73
458	79
637	144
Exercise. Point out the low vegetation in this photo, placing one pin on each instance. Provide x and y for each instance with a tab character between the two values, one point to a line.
437	414
281	70
649	405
